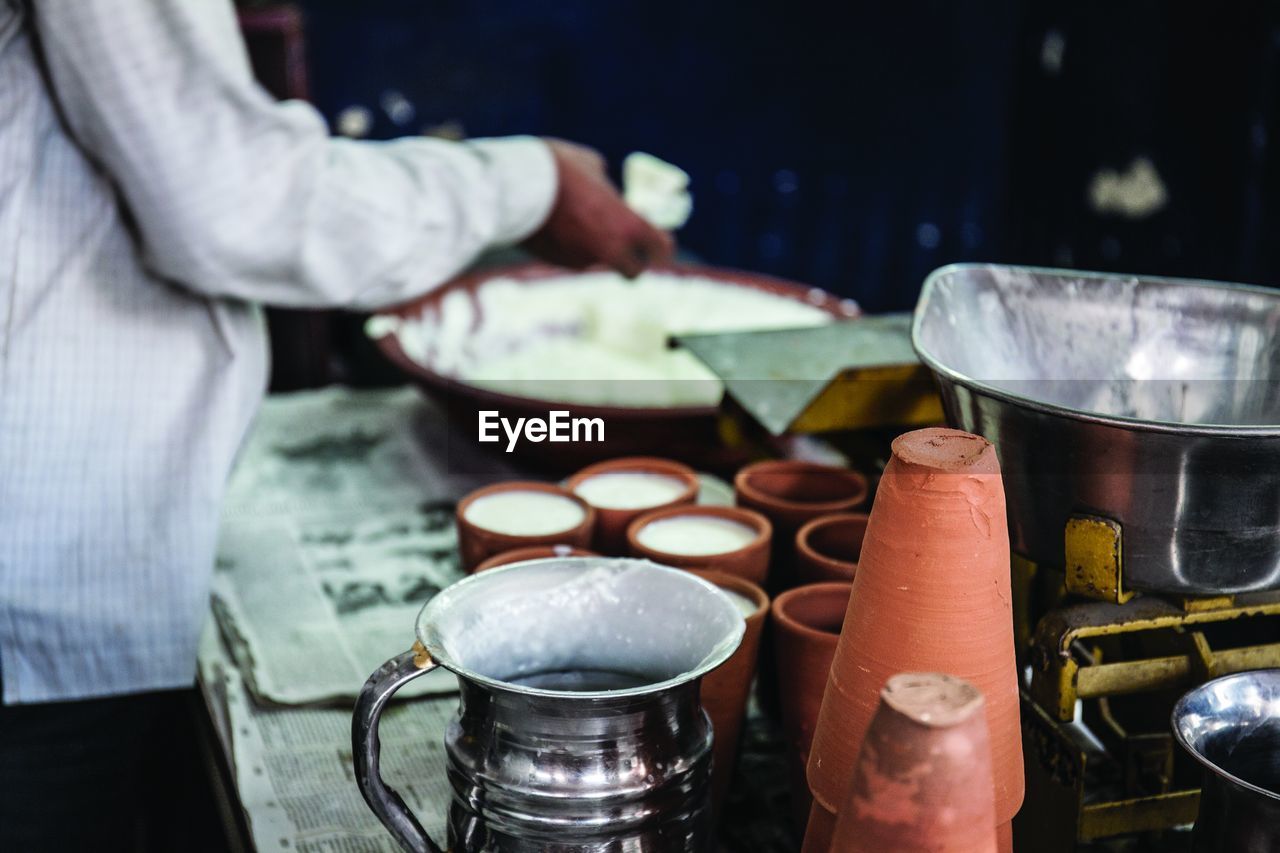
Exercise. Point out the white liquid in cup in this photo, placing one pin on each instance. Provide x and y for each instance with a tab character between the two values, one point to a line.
695	535
524	513
746	606
629	489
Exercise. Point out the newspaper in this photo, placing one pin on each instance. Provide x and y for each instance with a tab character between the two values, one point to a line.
343	450
338	527
293	769
310	608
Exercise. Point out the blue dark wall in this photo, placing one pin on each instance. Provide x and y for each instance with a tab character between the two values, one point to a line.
856	145
845	145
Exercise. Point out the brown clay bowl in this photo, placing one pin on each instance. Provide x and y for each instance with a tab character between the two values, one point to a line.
477	544
806	628
751	561
827	548
688	433
791	492
535	552
725	690
612	523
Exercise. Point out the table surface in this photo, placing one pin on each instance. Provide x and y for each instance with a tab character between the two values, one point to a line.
757	812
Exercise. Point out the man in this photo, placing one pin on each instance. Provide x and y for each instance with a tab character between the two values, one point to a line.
150	193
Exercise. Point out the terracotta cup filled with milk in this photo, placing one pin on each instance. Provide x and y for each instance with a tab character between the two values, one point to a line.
724	538
520	514
622	490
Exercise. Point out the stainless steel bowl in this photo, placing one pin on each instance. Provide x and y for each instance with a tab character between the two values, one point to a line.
1231	725
1153	402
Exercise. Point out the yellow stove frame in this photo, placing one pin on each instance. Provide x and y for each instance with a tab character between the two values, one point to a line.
1083	656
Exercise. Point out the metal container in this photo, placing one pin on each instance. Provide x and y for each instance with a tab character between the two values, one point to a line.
579	726
1231	725
1151	402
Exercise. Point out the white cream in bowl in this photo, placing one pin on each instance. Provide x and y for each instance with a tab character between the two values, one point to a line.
629	489
746	606
695	535
524	512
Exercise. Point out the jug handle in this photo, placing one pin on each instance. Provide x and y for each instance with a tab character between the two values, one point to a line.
373	698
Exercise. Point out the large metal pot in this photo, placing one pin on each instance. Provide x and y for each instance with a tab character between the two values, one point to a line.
1151	402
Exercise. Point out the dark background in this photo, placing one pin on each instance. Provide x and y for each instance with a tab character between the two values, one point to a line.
858	145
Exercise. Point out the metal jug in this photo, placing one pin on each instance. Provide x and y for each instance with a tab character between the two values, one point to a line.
1231	725
579	725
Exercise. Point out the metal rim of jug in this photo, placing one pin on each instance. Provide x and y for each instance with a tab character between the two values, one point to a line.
440	656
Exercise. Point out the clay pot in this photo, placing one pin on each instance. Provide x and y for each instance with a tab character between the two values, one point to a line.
751	561
931	594
537	552
476	544
726	688
806	627
790	493
821	829
922	781
827	548
612	523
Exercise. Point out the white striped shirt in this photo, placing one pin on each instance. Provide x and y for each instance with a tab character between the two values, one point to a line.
150	192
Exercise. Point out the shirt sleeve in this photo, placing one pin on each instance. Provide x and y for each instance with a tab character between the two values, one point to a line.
236	195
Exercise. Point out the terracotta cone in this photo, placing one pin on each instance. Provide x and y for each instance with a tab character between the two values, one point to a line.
922	782
726	688
931	594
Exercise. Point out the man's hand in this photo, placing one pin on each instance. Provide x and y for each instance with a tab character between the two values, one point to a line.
589	222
